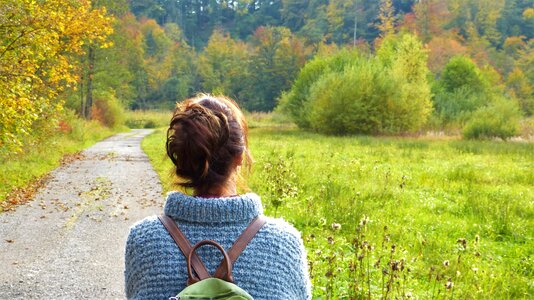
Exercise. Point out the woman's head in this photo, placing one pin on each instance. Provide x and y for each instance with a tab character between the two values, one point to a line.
207	141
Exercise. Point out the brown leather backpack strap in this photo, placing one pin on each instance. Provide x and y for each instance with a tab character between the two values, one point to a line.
184	245
240	244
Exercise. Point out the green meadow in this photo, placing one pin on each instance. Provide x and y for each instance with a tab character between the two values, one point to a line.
422	218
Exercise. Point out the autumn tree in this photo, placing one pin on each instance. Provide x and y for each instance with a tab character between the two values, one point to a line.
277	58
386	18
223	65
37	42
521	89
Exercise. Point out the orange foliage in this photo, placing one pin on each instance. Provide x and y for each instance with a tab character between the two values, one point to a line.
441	50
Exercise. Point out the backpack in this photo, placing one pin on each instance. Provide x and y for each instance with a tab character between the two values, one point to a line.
202	285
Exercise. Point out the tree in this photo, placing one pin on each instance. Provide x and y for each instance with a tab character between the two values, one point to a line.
278	56
441	50
38	41
386	18
223	65
521	89
460	90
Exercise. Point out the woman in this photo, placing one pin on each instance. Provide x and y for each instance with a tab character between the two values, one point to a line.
207	142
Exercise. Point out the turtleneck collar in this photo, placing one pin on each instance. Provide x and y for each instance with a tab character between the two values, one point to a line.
213	210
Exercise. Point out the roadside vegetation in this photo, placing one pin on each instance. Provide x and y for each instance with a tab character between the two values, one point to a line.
44	150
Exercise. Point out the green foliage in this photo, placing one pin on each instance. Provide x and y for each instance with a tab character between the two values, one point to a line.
458	105
107	110
280	180
277	59
348	93
499	119
223	65
460	90
296	101
461	72
352	101
147	118
72	135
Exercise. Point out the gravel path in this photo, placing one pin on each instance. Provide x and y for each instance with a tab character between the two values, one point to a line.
69	241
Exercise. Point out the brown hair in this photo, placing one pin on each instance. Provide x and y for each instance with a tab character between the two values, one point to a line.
205	137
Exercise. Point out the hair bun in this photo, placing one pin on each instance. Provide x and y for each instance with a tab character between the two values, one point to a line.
203	140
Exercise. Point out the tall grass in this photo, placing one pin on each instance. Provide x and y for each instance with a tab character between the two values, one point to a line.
147	118
398	217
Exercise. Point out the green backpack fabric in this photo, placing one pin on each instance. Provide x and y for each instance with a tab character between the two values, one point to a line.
213	288
200	284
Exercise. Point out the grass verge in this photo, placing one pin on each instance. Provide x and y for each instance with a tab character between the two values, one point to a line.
23	173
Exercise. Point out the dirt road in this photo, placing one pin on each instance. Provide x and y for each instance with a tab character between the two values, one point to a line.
68	242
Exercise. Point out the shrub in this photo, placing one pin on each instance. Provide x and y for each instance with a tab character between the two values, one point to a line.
459	104
352	101
347	93
107	110
460	72
461	89
296	102
500	119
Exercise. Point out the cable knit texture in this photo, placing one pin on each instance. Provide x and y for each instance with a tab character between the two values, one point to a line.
272	266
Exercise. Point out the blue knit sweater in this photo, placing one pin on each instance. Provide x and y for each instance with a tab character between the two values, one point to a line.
272	266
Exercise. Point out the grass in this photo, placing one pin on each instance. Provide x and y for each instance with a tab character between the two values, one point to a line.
42	155
147	119
398	217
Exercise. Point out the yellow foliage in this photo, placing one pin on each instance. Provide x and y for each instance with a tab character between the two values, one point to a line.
39	41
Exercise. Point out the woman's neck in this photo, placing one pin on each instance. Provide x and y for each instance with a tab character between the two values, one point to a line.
227	190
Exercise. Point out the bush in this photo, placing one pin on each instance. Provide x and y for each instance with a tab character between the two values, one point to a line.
296	102
500	119
352	101
461	89
347	93
458	105
107	110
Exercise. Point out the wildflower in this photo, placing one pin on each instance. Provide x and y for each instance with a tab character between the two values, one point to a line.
463	242
330	240
393	248
336	226
445	263
458	273
361	256
377	263
475	269
364	220
395	265
408	295
449	284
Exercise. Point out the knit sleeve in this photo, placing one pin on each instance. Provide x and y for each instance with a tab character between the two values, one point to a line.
295	265
302	286
132	270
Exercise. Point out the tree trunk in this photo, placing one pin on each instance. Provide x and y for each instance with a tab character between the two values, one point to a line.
90	71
